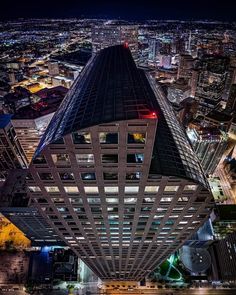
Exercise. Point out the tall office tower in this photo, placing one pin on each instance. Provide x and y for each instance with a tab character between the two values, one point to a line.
178	45
230	81
186	64
30	122
211	82
53	68
14	206
109	35
209	143
32	224
223	257
231	102
165	61
189	42
11	154
29	130
114	173
166	47
224	223
154	47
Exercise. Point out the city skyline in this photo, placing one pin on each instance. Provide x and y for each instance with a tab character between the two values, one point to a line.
118	148
129	10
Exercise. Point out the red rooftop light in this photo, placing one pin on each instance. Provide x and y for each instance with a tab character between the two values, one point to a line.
151	115
154	115
126	45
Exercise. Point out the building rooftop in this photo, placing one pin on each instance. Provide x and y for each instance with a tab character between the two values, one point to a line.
111	88
4	120
180	84
219	116
47	93
226	212
51	99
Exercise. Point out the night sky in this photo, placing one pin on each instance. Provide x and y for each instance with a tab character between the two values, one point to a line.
124	9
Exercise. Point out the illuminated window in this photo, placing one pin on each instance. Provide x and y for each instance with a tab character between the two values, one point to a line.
183	222
135	158
152	189
85	158
112	200
110	176
45	176
71	189
52	189
62	209
136	137
66	176
94	200
190	187
133	176
131	189
57	200
178	209
183	199
81	137
34	189
76	200
108	138
88	176
91	189
109	158
149	200
174	216
130	200
166	199
171	188
61	159
112	209
111	189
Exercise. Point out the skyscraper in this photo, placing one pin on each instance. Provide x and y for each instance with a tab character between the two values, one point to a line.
111	34
209	143
211	82
114	174
153	50
11	154
14	206
53	68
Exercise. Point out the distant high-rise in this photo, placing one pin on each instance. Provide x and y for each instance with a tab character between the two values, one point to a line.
14	206
165	61
223	257
12	155
30	122
231	102
109	35
186	63
114	174
53	68
154	46
211	82
209	143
